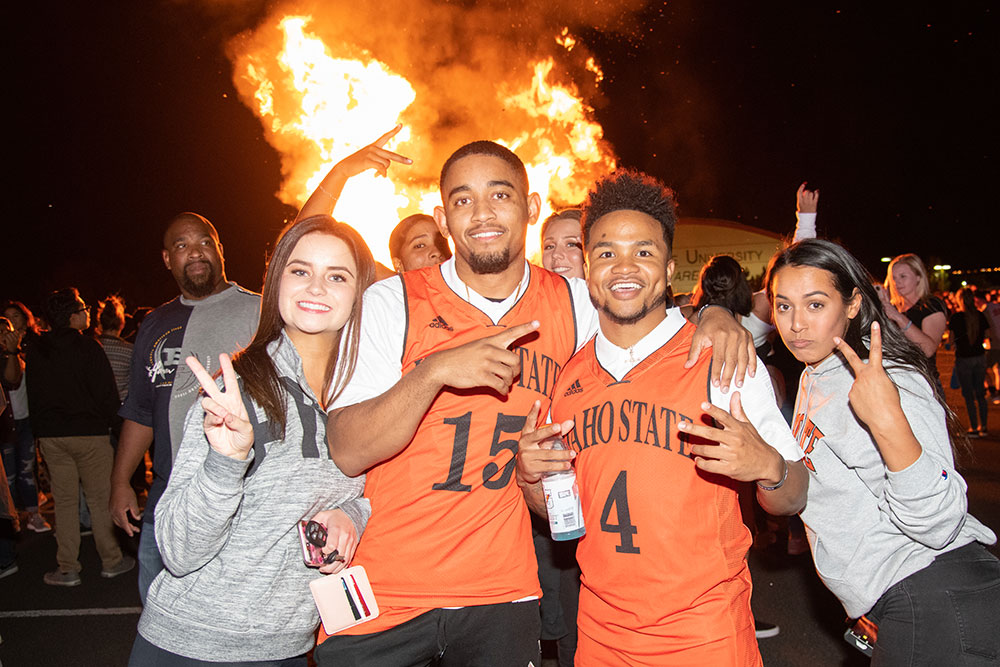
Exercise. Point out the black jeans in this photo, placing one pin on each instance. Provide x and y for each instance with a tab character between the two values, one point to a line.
492	635
945	614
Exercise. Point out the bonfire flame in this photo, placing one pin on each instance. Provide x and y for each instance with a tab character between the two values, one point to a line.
317	108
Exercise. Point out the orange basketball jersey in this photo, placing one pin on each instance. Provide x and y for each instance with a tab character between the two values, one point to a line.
665	580
449	526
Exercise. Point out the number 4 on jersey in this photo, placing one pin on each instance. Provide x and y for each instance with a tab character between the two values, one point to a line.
618	499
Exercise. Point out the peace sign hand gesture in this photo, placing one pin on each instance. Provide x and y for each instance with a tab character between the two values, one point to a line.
373	156
227	426
874	398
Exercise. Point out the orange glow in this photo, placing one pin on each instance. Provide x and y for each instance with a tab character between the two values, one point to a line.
318	106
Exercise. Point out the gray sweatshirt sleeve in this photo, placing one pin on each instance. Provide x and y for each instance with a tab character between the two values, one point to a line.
927	500
195	513
358	510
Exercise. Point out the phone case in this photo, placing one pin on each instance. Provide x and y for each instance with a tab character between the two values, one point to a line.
312	555
344	599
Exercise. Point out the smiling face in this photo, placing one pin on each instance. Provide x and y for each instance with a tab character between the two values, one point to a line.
422	246
562	248
809	311
316	293
630	271
486	213
193	254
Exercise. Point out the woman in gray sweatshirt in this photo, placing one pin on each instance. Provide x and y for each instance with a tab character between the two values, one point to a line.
253	463
886	513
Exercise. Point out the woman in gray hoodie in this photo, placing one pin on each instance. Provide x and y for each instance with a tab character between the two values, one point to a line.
254	462
886	514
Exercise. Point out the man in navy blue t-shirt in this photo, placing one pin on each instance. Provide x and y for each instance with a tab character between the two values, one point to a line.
209	317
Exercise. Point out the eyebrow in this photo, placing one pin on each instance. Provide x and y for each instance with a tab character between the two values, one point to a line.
804	296
185	238
489	184
607	244
309	264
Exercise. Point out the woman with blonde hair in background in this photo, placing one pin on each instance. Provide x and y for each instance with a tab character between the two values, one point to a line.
920	315
562	244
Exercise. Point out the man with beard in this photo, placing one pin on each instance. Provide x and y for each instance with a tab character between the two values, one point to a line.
211	316
665	579
451	359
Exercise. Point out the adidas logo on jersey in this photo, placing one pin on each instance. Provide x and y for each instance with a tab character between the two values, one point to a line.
574	388
439	323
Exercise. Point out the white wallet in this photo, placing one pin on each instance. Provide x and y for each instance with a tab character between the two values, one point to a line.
344	599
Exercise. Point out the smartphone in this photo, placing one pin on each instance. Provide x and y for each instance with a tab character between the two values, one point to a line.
862	635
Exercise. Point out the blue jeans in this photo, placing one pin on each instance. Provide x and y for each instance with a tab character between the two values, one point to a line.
19	462
150	563
971	372
945	614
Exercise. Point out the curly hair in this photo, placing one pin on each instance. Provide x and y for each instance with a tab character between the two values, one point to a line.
628	189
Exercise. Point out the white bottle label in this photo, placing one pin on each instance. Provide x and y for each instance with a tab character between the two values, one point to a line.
562	501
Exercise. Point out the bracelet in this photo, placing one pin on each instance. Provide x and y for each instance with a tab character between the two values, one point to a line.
908	325
324	191
710	305
779	484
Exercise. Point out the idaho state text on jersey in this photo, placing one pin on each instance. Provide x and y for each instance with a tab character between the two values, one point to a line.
806	434
628	420
538	370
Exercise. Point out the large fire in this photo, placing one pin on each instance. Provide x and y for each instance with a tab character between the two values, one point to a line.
319	105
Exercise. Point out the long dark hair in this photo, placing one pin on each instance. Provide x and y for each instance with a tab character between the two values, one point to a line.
849	275
254	365
970	313
723	283
29	319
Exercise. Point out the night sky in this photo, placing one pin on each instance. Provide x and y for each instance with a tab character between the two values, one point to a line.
124	113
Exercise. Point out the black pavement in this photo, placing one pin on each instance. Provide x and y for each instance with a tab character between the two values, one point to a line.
93	625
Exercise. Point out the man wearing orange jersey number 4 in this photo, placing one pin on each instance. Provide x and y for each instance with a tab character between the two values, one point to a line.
452	357
665	578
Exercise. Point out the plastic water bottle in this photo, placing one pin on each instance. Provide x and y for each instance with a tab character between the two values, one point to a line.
562	501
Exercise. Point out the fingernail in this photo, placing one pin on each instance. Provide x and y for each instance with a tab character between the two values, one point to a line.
682	425
739	383
705	405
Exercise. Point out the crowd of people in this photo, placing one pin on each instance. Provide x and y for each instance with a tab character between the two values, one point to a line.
409	413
